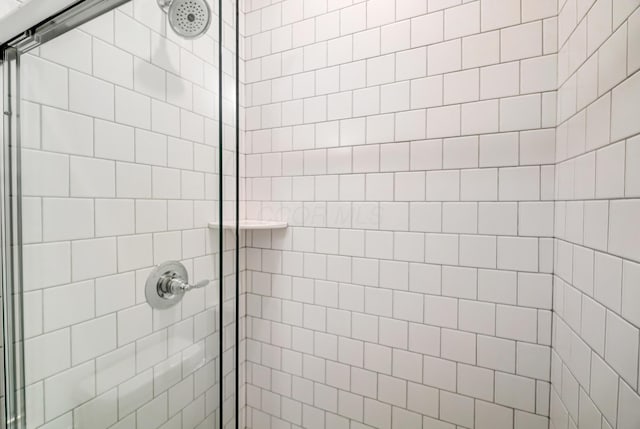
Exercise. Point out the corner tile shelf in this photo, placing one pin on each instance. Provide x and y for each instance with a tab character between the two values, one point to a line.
250	224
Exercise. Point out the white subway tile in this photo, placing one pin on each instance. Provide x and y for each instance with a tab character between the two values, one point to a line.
93	258
115	293
496	353
462	86
93	338
66	132
520	113
132	36
92	177
443	122
114	141
48	82
411	64
610	167
67	219
480	118
381	70
379	12
68	389
101	27
610	56
46	265
498	218
91	96
499	150
457	409
623	238
112	64
133	180
426	92
72	49
501	80
462	20
444	57
522	41
621	350
628	414
407	365
633	59
604	388
539	74
394	97
532	9
165	118
489	415
46	355
426	29
514	391
459	346
409	246
534	361
481	49
410	125
520	183
132	108
516	323
499	13
396	37
625	96
96	413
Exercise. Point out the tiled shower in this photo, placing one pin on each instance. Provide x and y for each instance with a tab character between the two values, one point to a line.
411	214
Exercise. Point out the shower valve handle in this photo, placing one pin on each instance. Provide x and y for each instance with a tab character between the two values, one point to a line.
167	284
171	285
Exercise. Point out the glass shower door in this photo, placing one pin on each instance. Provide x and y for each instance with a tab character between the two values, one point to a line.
118	155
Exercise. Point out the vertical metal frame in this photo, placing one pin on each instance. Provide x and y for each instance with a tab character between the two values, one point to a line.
15	416
237	220
220	422
11	201
11	244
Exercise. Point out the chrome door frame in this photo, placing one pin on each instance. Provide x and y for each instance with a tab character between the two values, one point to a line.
10	245
10	195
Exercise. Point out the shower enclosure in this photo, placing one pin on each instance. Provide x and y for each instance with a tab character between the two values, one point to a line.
119	149
321	214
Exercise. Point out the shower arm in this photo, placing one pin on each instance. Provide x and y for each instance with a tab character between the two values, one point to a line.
164	4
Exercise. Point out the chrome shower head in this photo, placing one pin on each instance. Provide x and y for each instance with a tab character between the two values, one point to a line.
188	18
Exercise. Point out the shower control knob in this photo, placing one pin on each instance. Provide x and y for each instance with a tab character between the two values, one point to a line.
168	283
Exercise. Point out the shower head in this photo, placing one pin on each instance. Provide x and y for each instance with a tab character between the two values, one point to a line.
188	18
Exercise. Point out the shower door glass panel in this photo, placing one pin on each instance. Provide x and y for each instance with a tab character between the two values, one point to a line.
230	246
119	150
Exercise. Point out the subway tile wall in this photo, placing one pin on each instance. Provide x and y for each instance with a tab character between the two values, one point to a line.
411	146
597	252
120	167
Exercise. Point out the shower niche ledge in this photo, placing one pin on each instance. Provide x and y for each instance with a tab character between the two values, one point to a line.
250	224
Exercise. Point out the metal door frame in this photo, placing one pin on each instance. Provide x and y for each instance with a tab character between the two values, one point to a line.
11	204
